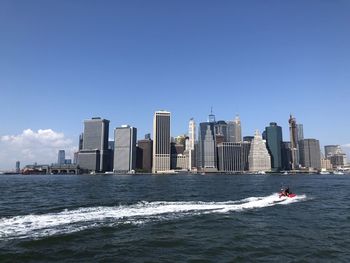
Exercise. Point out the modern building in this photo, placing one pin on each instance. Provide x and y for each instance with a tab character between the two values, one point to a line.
248	138
61	157
89	160
18	167
161	142
330	150
274	145
310	154
95	141
233	156
144	155
207	155
259	157
124	149
81	139
300	128
294	147
286	156
191	134
221	130
234	130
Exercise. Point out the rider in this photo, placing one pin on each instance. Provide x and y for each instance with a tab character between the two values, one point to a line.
286	191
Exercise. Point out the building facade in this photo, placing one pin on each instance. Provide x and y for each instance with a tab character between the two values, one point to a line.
274	145
144	155
310	154
234	130
294	146
95	141
259	157
233	156
124	149
61	157
207	156
161	142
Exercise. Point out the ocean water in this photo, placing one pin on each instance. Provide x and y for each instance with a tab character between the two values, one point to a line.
174	218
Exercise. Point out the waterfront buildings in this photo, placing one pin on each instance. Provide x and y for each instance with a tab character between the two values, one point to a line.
124	149
259	157
336	156
310	154
286	156
161	142
293	131
61	157
94	155
274	145
144	155
234	130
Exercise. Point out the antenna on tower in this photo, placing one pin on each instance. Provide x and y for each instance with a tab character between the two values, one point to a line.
211	115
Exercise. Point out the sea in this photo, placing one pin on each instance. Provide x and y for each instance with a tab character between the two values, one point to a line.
174	218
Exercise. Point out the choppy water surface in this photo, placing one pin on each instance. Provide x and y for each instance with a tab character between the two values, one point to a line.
182	218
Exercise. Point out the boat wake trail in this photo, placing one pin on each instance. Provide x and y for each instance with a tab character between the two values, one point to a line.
69	221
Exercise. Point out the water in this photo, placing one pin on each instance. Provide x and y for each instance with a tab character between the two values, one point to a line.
174	218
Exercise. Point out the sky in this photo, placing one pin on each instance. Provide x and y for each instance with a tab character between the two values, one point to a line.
62	62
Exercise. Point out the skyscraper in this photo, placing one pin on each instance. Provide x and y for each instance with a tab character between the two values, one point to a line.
191	144
18	167
221	130
61	157
300	128
234	130
207	147
144	155
274	145
161	141
259	157
233	156
310	154
124	149
95	142
293	131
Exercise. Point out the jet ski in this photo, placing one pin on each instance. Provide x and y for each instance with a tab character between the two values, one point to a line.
286	193
290	195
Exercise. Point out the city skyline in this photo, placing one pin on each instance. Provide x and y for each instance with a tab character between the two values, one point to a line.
260	60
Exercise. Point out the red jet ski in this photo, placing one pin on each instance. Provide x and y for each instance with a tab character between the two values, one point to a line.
291	195
285	192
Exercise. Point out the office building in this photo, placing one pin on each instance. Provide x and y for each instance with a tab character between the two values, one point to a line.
300	129
191	134
207	155
259	157
161	142
274	145
310	154
294	147
233	156
124	149
95	141
234	130
61	157
18	167
221	131
286	156
144	155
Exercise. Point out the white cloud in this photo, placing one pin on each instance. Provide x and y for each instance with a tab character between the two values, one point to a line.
33	146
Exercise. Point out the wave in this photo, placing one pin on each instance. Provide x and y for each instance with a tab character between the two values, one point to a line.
69	221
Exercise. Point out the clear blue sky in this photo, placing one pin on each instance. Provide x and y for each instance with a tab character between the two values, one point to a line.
65	61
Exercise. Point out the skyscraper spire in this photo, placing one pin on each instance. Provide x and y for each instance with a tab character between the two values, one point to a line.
211	115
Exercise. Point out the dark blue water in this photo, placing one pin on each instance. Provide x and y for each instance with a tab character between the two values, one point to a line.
175	218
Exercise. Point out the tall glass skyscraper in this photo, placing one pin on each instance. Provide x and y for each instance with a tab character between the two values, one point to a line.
274	145
310	154
161	141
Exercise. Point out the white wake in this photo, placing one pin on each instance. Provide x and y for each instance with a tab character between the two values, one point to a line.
68	221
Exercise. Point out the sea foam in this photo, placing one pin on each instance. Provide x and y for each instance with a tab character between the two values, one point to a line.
69	221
